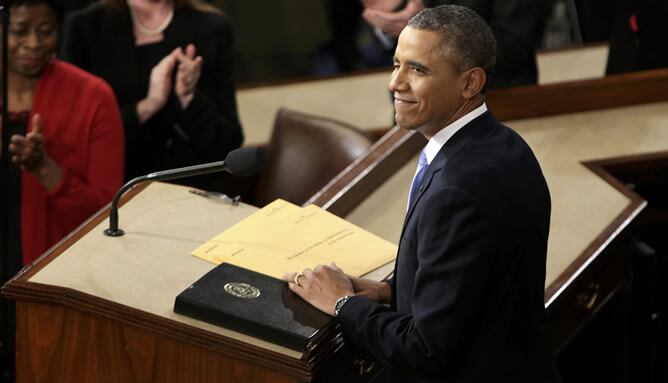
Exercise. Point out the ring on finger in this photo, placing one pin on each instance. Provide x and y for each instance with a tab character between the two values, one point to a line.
297	279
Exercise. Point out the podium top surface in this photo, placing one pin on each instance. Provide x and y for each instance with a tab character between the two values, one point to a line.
152	263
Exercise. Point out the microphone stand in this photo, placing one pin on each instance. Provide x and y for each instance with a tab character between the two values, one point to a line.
165	175
5	156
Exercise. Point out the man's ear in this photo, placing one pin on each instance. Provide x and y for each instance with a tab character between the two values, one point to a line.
475	82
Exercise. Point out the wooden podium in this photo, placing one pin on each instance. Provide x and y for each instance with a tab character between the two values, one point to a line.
99	309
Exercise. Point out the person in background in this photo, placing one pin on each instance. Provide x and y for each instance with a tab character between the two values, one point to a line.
66	147
638	36
517	26
465	303
170	64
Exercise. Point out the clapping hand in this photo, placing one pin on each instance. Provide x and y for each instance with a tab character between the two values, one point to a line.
28	151
29	154
187	75
382	5
379	14
159	87
160	82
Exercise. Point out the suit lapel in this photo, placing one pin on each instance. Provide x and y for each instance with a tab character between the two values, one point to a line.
426	181
465	135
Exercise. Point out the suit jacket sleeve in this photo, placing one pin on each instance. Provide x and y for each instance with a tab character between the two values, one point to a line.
454	246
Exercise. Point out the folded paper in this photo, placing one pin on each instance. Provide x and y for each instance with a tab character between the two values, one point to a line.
283	237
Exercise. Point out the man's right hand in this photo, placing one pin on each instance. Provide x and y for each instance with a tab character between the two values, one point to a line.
376	291
159	88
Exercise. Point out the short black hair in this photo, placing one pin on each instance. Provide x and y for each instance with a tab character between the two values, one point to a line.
464	31
56	6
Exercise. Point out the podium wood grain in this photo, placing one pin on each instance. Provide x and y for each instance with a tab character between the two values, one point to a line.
69	345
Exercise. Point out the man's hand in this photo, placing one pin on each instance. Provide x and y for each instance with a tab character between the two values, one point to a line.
376	291
187	76
389	22
321	287
29	154
159	87
324	285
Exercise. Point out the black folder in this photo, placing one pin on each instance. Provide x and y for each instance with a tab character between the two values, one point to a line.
257	305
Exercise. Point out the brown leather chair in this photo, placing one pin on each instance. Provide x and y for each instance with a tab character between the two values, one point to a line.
304	154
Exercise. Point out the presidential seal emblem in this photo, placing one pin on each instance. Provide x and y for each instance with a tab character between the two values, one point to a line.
242	290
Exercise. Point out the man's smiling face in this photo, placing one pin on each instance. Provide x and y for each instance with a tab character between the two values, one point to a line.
426	84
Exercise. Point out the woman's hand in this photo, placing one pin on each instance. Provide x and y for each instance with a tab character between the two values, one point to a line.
29	154
187	76
159	87
382	5
391	23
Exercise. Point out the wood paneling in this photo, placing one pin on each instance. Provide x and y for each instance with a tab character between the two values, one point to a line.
579	96
59	344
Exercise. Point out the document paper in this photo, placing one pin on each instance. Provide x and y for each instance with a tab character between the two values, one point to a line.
283	237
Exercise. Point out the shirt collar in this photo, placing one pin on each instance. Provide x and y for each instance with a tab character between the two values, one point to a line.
439	139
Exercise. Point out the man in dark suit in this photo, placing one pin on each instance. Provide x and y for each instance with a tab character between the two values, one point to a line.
466	299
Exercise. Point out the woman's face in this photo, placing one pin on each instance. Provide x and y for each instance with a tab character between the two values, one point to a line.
32	38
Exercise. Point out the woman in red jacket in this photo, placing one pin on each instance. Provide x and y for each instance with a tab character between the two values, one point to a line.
66	142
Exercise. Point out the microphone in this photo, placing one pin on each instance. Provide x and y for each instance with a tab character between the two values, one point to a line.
242	162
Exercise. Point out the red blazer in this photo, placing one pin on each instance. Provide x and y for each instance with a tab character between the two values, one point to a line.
83	133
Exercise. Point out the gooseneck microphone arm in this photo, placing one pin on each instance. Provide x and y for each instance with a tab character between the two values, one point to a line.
240	162
165	175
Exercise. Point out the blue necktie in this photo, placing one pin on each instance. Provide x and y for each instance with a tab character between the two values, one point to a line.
417	180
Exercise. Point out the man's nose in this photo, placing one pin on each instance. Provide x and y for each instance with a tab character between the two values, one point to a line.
398	80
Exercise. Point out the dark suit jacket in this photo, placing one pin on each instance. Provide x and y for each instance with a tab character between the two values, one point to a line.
467	294
518	28
100	40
